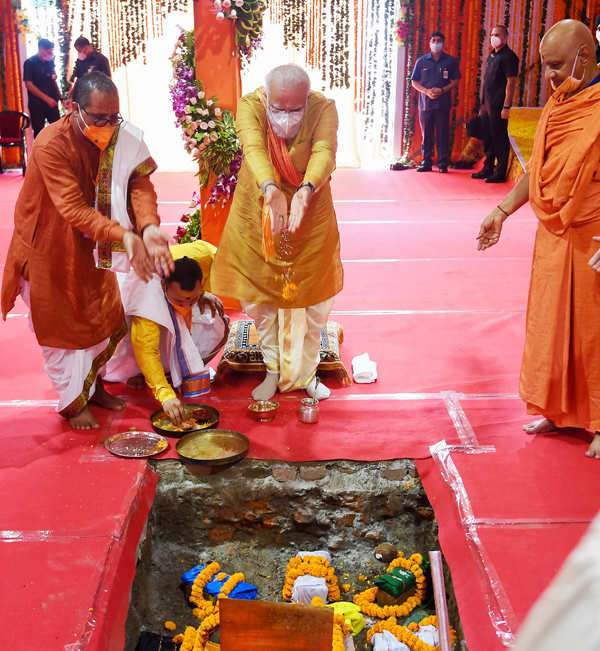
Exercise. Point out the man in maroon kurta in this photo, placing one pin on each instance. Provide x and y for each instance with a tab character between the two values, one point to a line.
75	306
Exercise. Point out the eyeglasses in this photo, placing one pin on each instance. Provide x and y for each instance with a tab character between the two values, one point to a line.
103	120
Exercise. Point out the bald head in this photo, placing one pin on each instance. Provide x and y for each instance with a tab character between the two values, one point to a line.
288	77
568	48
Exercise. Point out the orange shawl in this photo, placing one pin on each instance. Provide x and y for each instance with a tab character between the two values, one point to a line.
564	161
284	168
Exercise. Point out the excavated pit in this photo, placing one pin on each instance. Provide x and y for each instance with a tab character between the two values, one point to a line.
256	515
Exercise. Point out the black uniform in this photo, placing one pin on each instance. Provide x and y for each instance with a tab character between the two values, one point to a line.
500	65
42	75
94	61
434	114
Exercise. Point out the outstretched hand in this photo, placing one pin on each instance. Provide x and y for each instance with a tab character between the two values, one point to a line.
213	303
157	244
138	256
594	261
277	202
175	411
490	230
300	202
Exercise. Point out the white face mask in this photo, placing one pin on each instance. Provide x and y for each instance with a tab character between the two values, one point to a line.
286	124
82	56
496	42
436	47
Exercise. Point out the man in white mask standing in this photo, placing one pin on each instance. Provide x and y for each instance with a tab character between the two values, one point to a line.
434	77
280	251
498	88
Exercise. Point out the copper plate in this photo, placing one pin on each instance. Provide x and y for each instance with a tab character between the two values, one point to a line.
209	415
136	444
214	447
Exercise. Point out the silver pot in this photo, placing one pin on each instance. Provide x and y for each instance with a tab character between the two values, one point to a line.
308	411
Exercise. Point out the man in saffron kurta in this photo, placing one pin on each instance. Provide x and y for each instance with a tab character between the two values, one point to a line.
280	252
75	306
560	374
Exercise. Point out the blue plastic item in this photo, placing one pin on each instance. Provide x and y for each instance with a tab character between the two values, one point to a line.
242	590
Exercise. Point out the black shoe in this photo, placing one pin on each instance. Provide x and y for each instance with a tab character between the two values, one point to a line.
496	179
397	167
443	169
482	174
423	167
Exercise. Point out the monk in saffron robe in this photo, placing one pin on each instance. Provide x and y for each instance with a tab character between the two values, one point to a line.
560	374
84	169
280	250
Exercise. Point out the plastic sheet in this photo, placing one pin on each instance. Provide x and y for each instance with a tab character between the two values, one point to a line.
465	431
499	607
429	634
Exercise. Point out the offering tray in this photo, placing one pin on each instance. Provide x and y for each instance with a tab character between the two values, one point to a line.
136	444
202	416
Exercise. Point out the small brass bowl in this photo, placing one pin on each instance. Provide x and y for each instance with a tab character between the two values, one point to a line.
263	411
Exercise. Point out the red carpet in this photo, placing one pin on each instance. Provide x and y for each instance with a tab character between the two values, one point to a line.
445	325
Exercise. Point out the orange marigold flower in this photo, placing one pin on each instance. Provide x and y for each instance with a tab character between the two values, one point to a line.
170	626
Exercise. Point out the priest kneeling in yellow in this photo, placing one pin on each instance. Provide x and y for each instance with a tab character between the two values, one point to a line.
175	325
280	251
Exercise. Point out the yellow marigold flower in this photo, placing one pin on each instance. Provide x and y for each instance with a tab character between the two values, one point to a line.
221	576
346	587
170	626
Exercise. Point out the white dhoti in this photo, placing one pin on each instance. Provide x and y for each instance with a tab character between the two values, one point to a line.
290	340
73	372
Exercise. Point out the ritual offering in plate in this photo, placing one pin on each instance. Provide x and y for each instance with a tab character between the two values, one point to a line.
214	447
135	444
263	410
198	418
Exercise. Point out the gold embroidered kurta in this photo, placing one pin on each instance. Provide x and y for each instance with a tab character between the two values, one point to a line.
74	305
240	270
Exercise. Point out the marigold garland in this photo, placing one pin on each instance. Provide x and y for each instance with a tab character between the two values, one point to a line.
366	600
315	566
340	628
204	606
407	634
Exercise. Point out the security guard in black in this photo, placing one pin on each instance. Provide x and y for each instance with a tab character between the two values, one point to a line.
39	76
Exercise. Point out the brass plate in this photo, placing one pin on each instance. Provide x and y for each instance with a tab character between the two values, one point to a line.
136	444
215	447
207	415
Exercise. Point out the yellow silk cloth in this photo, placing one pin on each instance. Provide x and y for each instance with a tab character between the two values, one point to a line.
315	269
560	374
145	334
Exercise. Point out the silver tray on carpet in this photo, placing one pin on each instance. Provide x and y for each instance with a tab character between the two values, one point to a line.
136	444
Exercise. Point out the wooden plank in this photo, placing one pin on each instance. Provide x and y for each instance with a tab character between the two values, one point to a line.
267	626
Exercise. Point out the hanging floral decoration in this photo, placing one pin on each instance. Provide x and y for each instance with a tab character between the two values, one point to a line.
191	220
23	22
248	18
208	132
402	29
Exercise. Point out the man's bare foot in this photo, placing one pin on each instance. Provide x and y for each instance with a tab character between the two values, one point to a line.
84	420
137	381
594	449
540	426
104	399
